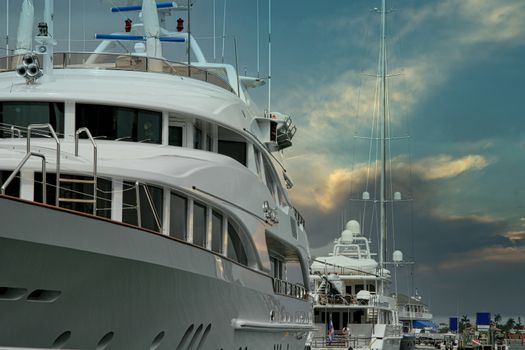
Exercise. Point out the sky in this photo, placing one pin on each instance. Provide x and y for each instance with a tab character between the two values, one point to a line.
456	118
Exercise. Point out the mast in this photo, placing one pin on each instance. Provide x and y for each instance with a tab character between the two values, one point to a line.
382	200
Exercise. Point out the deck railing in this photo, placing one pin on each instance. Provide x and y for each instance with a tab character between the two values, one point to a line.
122	61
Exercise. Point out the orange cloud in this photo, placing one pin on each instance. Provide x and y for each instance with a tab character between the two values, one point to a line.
444	166
515	235
494	254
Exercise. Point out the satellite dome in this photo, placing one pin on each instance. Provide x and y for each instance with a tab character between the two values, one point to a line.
354	227
347	236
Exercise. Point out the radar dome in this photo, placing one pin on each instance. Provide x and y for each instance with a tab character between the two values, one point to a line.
397	256
347	236
354	227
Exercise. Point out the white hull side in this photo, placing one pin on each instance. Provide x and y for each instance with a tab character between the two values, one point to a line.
113	278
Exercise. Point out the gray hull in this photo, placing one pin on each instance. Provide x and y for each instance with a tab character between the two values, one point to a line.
71	281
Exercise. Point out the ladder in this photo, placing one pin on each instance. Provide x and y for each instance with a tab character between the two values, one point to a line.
68	182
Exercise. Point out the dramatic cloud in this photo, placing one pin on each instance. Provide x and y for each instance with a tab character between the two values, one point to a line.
444	166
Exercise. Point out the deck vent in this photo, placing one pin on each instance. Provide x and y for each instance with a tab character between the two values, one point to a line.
157	340
9	293
204	336
61	340
185	337
44	295
105	340
196	336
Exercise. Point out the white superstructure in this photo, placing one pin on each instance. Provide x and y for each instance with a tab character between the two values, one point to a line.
141	204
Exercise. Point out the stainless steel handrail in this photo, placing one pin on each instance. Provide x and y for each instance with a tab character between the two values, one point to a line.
20	165
88	133
13	129
54	135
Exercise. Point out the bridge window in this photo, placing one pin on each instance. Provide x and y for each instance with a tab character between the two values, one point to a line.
120	123
21	114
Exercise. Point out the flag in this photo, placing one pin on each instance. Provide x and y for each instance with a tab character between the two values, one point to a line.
330	332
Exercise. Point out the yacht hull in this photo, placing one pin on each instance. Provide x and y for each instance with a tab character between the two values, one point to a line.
73	281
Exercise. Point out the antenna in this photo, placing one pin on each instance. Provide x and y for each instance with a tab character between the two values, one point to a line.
214	35
258	46
7	33
269	55
69	29
223	30
189	39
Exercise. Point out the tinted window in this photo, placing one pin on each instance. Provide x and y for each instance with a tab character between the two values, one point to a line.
257	156
129	203
197	138
216	232
76	187
21	114
270	179
148	210
50	188
14	187
178	214
233	149
175	136
199	225
235	248
126	124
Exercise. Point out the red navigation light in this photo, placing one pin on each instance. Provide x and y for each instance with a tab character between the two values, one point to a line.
180	25
127	26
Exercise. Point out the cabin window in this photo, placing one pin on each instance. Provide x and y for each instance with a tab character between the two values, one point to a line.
199	224
50	188
209	143
22	114
232	144
148	208
178	214
176	136
277	267
197	138
14	187
75	193
216	232
257	156
235	248
358	288
233	149
270	179
348	289
120	123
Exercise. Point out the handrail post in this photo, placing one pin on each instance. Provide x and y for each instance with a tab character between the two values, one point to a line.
20	165
88	133
52	131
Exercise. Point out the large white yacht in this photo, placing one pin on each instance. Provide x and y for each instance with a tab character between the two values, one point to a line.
349	297
141	206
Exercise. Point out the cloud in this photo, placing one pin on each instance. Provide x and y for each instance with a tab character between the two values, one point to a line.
515	235
444	166
327	189
493	254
